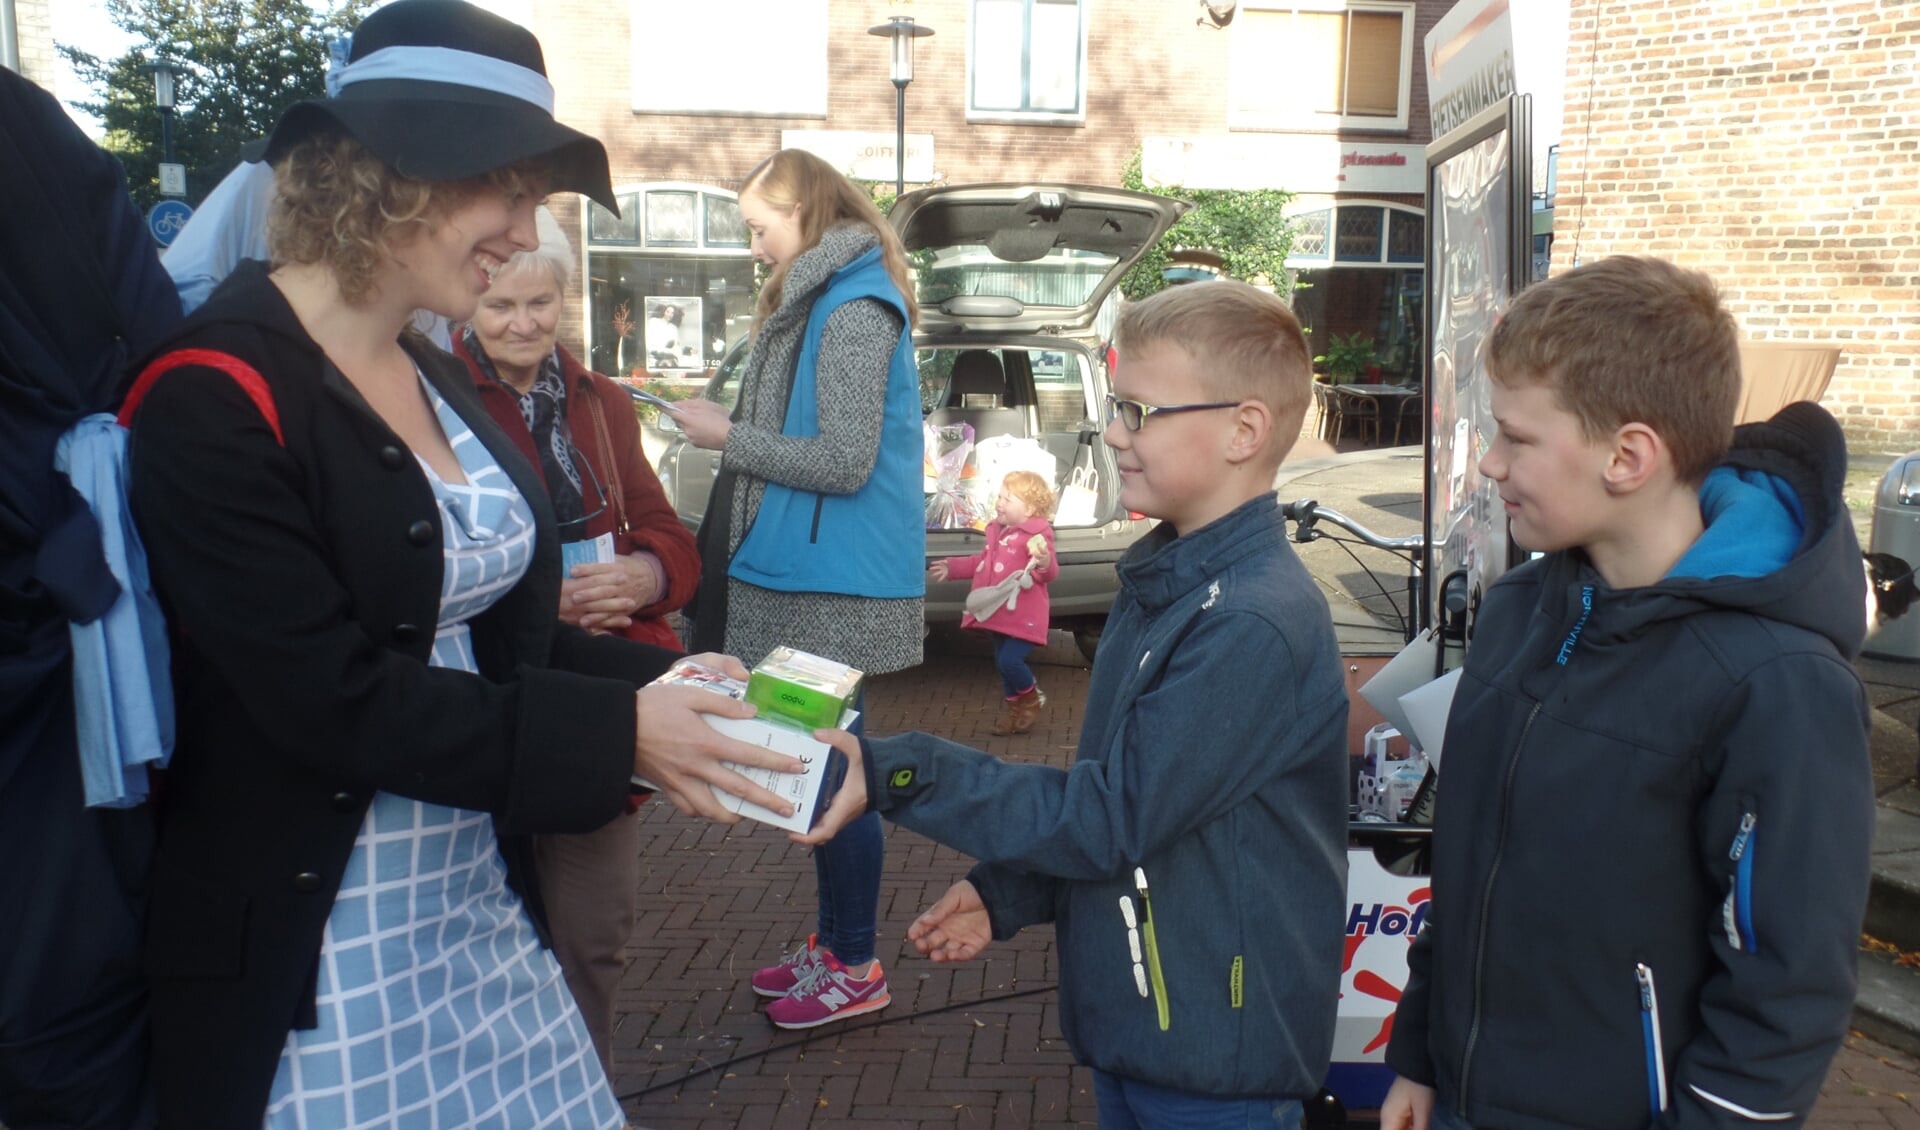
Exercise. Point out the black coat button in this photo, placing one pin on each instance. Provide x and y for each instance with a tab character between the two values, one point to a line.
404	634
392	458
306	882
421	532
345	802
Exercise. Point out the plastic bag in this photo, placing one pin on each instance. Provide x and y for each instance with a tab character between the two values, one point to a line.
949	448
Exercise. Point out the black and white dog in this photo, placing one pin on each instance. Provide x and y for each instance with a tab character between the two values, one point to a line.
1890	588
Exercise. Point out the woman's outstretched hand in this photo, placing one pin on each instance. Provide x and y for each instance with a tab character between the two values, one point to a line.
682	756
849	803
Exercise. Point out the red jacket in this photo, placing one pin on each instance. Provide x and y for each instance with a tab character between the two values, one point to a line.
1004	555
653	526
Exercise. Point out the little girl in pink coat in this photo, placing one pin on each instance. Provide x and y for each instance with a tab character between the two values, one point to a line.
1009	594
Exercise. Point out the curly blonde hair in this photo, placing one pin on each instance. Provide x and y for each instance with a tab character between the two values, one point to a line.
338	205
1032	490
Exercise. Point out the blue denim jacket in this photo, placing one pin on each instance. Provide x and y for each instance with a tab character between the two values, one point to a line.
1209	793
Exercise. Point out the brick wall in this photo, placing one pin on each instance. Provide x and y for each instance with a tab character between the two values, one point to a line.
34	23
1150	70
1773	144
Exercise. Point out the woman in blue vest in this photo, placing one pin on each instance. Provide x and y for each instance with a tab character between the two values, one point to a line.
815	535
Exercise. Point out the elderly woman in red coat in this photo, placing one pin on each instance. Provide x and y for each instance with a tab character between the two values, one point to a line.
578	428
629	563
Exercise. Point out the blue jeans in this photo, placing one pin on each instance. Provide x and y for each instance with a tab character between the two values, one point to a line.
1010	656
1446	1115
847	868
1128	1104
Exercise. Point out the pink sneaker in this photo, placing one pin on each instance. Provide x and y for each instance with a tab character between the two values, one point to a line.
779	980
826	993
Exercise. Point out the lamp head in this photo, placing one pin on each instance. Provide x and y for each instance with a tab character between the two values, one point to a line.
902	31
163	72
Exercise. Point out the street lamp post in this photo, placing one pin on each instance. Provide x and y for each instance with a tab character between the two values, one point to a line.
163	97
902	31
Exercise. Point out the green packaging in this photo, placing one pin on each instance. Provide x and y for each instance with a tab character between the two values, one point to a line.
803	689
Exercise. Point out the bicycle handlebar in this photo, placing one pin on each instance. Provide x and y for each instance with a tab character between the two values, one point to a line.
1304	512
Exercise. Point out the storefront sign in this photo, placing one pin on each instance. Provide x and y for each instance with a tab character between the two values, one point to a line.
1483	50
865	155
1299	163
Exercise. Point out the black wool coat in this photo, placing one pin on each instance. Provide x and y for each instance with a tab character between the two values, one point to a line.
302	583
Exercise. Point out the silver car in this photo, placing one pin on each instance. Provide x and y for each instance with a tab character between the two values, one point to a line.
1009	278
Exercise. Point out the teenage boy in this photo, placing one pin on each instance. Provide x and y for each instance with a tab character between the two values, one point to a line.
1193	859
1651	858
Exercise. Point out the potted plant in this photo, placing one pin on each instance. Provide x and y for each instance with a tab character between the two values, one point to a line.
1346	358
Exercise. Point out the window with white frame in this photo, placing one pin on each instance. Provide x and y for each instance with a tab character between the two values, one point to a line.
1321	64
688	58
1027	60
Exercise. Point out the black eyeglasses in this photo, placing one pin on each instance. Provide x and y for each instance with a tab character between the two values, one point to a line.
1134	414
573	529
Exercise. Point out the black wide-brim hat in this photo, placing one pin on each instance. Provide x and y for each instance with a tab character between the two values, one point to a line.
441	90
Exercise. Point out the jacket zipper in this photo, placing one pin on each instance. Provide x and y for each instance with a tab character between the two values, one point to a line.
1161	1006
1486	908
1738	912
1650	1035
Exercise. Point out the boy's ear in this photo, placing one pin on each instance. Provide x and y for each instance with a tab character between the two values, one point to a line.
1638	455
1252	425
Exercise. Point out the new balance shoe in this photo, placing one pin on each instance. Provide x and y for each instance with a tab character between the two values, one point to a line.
779	980
827	993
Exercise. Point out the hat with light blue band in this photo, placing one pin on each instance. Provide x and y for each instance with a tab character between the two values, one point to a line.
442	90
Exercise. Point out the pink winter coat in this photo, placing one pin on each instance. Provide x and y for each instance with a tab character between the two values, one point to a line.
1005	554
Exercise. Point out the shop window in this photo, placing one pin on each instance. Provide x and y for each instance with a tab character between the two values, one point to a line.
1310	234
1321	64
670	218
670	285
1027	60
1357	236
689	58
1406	237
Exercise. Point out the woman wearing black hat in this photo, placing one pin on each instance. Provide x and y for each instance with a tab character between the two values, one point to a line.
376	702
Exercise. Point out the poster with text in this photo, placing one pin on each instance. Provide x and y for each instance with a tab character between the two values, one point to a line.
673	333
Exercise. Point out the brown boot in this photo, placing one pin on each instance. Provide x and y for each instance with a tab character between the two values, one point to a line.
1022	711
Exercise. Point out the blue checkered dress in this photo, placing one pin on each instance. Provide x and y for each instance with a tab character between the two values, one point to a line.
438	1007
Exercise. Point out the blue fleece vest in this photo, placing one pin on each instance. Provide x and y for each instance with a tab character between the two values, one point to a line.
873	541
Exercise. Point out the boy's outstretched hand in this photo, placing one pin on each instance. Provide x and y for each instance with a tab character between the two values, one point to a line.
849	803
1408	1106
954	929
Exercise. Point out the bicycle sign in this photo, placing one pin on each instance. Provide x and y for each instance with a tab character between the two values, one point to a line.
166	219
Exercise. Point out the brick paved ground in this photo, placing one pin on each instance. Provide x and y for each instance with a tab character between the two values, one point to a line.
975	1045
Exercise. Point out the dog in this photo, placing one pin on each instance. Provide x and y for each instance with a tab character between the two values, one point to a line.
1890	588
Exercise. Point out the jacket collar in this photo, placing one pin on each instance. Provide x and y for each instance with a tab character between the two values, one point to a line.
1161	568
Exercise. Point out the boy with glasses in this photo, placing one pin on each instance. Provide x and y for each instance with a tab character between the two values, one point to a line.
1193	859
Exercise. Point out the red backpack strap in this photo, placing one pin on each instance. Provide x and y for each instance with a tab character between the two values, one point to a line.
243	374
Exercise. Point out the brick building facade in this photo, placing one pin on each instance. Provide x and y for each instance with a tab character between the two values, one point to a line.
1773	145
1210	106
33	30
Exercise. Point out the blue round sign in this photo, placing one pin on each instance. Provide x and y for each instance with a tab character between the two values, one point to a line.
166	219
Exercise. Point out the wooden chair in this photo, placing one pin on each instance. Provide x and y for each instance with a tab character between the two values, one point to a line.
1358	408
1328	410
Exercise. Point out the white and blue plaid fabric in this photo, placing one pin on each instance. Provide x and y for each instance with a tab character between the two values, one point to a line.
438	1007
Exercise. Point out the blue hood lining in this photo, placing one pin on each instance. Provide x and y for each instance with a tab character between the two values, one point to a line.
1754	521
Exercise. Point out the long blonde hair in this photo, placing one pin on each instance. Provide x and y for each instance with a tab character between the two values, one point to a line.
826	198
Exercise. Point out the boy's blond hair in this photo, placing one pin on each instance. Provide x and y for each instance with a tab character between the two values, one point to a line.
1630	340
1032	490
1245	344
